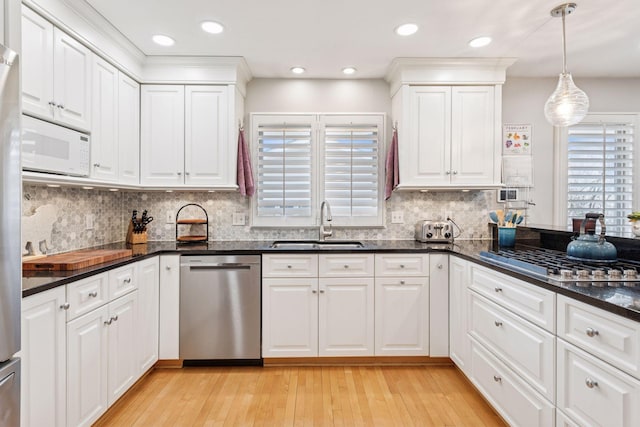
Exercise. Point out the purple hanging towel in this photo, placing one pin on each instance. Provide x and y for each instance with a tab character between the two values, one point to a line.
391	167
245	173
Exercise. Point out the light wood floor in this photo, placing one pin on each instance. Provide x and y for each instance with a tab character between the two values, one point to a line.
303	396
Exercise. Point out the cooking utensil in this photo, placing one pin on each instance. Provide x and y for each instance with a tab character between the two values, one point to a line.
493	216
500	214
589	247
508	216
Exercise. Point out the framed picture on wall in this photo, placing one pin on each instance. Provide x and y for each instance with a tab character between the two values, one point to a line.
516	139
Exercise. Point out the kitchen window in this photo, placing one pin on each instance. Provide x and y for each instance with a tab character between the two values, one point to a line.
302	160
600	169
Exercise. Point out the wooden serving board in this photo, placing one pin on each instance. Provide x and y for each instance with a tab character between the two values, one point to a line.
75	260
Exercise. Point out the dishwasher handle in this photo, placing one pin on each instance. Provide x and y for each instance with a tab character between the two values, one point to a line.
219	266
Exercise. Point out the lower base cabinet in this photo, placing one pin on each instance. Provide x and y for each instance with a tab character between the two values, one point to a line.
513	399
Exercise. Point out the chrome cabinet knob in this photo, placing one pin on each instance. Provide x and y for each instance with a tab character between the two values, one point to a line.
179	173
498	289
96	165
167	268
289	266
52	103
498	323
313	291
448	172
93	294
591	383
322	291
402	282
455	172
186	173
346	266
592	332
60	106
401	265
439	266
65	306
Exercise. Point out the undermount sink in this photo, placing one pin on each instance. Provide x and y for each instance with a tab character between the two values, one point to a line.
293	244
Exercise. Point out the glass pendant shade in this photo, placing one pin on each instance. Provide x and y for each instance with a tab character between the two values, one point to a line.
567	105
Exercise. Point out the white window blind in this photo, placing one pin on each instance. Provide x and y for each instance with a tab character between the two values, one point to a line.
284	170
600	171
352	169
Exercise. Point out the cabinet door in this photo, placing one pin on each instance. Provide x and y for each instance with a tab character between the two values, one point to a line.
345	317
36	64
162	135
44	377
427	156
439	305
122	347
128	130
169	340
71	81
87	341
402	316
290	317
474	143
148	309
459	345
207	143
104	128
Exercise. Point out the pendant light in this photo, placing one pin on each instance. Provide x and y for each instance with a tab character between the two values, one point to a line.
567	105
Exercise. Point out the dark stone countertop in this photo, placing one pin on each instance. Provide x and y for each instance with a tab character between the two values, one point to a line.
622	301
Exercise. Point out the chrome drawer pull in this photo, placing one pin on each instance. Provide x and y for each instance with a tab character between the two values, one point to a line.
346	266
108	322
289	266
93	294
65	306
402	282
127	280
592	332
401	265
497	379
115	318
591	383
498	323
498	289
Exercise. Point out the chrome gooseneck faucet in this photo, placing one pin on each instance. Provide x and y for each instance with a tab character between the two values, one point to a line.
325	233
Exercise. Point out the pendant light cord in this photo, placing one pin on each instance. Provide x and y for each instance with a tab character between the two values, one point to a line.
564	44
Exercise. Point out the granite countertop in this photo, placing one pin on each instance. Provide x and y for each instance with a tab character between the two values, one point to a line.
622	301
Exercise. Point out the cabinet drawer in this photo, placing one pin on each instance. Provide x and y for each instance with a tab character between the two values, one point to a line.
402	265
518	403
305	265
87	294
608	336
529	301
122	281
341	265
524	347
593	393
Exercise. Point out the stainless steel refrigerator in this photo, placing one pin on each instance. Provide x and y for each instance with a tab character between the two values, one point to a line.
10	213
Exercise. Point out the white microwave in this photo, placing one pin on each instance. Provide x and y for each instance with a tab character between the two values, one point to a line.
54	149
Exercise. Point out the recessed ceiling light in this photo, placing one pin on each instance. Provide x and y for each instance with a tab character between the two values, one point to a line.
297	70
349	70
113	189
86	187
406	29
212	27
480	41
163	40
53	185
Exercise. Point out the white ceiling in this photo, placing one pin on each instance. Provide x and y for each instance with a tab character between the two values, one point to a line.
603	36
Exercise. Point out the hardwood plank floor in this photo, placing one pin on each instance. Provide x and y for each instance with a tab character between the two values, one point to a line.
303	396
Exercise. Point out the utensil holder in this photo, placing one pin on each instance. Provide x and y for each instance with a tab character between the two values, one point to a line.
506	237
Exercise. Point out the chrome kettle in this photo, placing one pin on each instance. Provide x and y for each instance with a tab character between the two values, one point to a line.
589	247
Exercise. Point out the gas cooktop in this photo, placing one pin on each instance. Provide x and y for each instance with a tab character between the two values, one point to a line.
558	268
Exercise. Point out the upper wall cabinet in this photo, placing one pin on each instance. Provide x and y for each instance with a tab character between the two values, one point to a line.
56	74
448	114
188	136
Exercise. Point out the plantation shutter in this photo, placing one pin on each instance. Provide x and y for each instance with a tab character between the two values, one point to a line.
600	171
284	170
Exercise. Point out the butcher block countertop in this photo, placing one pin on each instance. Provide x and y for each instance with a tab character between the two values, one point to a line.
75	260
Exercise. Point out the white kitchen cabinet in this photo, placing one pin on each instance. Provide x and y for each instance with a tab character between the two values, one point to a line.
187	136
346	316
123	341
449	136
87	361
104	129
147	323
513	398
402	305
87	294
169	336
44	377
162	135
122	280
438	305
128	130
459	344
56	76
290	317
593	393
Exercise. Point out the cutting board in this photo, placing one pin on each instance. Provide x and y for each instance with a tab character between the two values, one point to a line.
75	260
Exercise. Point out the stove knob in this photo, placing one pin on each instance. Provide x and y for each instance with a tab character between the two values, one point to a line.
447	235
429	235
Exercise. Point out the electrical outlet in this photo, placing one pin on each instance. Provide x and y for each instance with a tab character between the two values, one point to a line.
89	221
170	218
397	217
238	218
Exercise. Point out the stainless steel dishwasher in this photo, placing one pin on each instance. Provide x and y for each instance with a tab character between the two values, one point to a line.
220	310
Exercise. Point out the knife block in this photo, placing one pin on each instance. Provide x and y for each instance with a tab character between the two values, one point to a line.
136	238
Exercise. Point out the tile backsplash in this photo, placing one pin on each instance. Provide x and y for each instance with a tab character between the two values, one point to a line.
111	212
